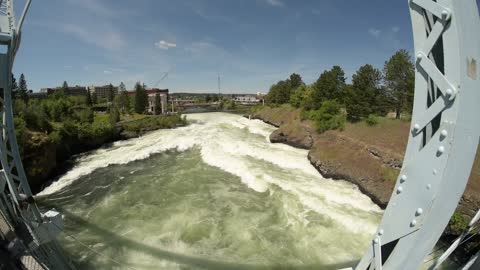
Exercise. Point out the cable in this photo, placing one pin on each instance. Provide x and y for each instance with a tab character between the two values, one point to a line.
94	251
462	242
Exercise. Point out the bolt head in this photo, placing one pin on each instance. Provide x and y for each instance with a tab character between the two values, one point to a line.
446	14
416	127
403	178
441	149
419	212
449	92
399	190
380	232
376	241
429	187
419	56
413	223
444	133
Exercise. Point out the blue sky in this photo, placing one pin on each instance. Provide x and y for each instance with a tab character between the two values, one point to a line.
250	43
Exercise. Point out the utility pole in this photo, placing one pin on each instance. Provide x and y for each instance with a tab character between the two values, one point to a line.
218	84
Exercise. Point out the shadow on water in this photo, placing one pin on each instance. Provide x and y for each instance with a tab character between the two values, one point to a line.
122	243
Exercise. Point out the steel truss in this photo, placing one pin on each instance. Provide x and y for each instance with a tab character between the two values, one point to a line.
35	232
444	134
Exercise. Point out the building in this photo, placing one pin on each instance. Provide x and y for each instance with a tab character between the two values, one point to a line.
102	91
38	95
152	96
246	100
70	91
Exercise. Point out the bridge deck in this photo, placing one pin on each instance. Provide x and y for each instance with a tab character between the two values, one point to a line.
27	261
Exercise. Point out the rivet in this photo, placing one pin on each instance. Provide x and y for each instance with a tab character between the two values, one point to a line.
434	172
403	178
446	14
399	190
449	92
441	150
419	212
419	56
416	127
413	223
429	187
444	133
380	232
376	241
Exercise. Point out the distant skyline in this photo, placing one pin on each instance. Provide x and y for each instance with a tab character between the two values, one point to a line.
251	44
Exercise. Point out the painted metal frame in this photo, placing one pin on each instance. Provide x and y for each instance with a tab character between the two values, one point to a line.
37	232
444	134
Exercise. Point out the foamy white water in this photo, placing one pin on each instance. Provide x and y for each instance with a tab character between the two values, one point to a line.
218	161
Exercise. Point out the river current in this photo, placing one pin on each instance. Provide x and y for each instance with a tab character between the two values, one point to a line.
213	195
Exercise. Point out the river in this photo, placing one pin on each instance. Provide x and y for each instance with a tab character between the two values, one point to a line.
215	194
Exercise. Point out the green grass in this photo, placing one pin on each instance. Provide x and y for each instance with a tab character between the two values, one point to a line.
389	173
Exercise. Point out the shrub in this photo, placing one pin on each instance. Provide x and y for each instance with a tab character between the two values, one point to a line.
327	117
372	120
36	119
458	223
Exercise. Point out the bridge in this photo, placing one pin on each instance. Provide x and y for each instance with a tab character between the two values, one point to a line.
440	153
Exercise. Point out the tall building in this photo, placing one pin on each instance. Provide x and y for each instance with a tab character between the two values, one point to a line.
102	91
70	91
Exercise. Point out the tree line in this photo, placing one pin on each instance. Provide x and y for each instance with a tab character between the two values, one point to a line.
372	92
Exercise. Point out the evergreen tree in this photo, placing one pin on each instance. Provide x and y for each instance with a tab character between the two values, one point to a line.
88	99
158	104
295	81
124	101
141	98
330	85
364	96
94	98
122	88
14	87
399	76
22	89
110	93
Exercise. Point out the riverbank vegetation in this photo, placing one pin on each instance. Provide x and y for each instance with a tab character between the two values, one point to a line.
51	130
330	101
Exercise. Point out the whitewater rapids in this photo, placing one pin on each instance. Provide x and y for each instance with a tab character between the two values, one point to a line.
215	194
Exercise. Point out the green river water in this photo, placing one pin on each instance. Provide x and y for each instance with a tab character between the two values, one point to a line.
213	195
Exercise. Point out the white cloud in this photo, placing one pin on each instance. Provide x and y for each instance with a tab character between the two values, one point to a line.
109	39
275	3
375	32
164	45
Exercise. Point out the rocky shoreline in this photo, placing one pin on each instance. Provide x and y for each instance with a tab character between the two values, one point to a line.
373	167
47	160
